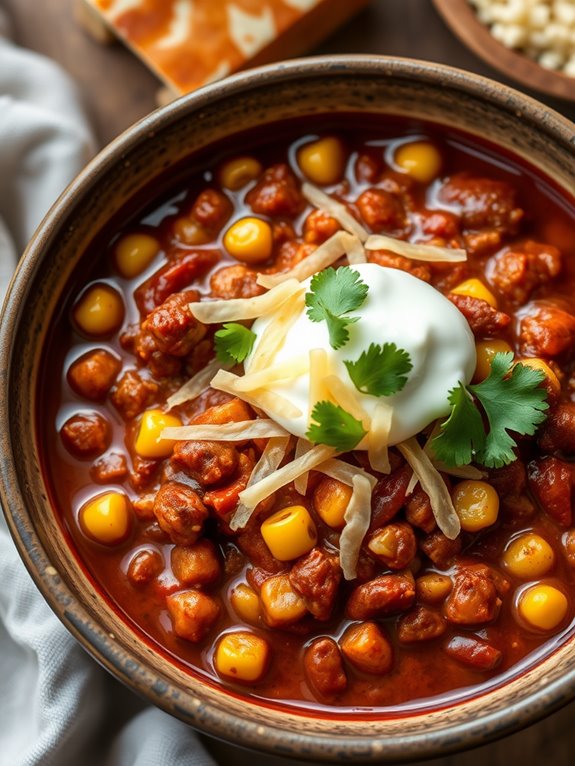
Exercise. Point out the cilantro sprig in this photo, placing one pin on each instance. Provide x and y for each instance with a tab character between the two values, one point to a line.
333	294
332	425
233	342
510	399
381	370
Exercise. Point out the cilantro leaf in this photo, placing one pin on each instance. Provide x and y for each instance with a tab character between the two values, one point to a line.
333	294
381	370
462	434
512	402
233	342
335	427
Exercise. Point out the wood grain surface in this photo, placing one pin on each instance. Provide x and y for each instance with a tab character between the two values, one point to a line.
118	90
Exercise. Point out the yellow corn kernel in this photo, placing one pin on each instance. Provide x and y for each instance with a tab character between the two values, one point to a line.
106	518
485	351
538	364
245	602
543	606
529	556
289	533
433	588
134	253
476	503
148	442
476	289
419	159
281	605
235	174
330	499
99	311
249	240
242	656
322	161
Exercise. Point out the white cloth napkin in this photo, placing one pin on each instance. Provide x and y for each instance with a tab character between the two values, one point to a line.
57	706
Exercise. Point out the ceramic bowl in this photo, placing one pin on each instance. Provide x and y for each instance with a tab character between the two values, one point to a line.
121	171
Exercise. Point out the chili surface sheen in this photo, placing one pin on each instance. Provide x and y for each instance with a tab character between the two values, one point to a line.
427	618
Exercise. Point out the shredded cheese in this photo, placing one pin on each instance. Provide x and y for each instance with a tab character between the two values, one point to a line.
413	482
282	372
269	401
300	484
335	209
212	312
238	431
378	438
253	495
323	256
344	472
194	387
357	519
345	397
354	251
431	481
274	452
419	252
273	337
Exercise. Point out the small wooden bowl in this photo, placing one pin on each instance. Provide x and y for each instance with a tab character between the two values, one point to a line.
463	22
112	181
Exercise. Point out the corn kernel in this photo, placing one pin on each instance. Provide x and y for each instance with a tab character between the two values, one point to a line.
485	351
543	606
281	605
246	603
529	556
134	253
149	443
474	288
330	500
242	656
476	503
538	364
419	159
433	588
289	533
106	518
235	174
322	161
249	240
99	311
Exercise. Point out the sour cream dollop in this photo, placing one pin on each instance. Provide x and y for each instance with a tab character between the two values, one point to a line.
399	309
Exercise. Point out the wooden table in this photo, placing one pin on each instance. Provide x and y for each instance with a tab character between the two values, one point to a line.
118	90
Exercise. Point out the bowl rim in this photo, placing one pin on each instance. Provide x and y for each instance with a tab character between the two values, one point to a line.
214	721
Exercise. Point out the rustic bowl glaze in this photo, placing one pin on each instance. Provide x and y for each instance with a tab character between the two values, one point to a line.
346	83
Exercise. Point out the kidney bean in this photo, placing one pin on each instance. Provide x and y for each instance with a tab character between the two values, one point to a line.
324	668
276	193
420	624
439	548
388	496
144	566
418	510
473	652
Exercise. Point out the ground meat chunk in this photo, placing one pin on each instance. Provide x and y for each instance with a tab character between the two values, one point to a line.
110	468
473	600
276	193
383	212
180	512
380	597
323	667
551	481
546	330
193	614
86	435
439	224
418	510
173	327
253	546
520	269
367	168
225	499
94	373
142	473
144	566
388	496
211	209
557	434
392	261
133	394
318	227
483	319
160	365
196	564
393	545
473	652
421	624
235	282
482	203
316	578
440	549
206	462
510	483
568	543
